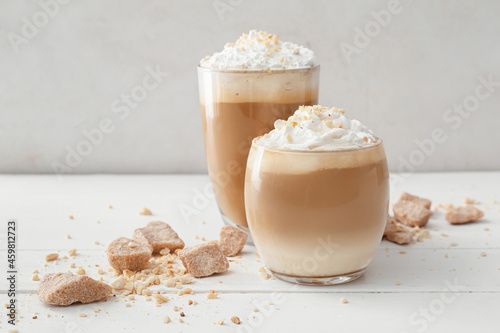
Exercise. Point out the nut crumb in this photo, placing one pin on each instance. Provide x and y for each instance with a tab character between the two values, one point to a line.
220	322
166	319
483	254
397	283
35	277
145	211
82	315
80	271
185	292
212	295
51	257
343	300
235	320
72	252
469	201
68	236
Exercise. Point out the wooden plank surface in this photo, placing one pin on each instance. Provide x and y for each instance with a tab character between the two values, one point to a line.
452	258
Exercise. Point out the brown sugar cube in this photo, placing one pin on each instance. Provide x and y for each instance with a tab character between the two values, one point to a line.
124	253
465	214
398	233
411	214
418	200
232	240
204	259
66	288
159	235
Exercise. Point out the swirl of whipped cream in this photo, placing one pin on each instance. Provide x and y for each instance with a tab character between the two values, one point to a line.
318	128
259	50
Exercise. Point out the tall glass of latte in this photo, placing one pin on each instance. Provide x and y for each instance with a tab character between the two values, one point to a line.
317	196
243	90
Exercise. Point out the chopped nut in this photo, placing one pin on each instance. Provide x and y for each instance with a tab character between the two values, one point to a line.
166	319
72	252
82	315
51	257
35	277
164	251
118	284
160	299
145	211
80	271
483	254
212	295
235	320
185	292
220	322
343	300
469	201
263	272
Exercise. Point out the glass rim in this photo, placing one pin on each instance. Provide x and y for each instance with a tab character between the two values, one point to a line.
376	144
258	71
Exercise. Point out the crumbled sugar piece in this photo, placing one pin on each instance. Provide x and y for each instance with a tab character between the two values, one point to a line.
65	288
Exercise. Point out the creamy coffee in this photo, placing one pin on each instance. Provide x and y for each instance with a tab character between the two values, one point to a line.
243	90
317	196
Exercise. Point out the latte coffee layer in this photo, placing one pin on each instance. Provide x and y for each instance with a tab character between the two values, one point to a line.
229	129
317	214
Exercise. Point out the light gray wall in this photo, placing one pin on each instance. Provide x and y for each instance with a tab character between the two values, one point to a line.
63	79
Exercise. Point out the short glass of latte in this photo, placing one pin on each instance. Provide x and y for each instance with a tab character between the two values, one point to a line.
317	197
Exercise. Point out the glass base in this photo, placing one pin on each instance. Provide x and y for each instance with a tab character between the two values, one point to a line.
227	221
319	281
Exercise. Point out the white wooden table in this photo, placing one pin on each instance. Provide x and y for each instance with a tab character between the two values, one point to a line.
423	301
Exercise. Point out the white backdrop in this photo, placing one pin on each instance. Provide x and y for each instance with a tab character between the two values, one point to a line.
424	75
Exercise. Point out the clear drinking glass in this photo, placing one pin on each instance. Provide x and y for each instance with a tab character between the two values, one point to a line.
317	217
236	107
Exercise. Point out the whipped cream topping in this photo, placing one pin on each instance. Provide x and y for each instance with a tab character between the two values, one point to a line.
318	128
259	50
